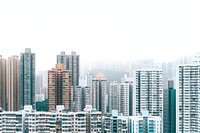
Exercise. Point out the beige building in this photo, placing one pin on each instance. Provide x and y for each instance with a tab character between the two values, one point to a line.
13	83
126	96
2	83
59	87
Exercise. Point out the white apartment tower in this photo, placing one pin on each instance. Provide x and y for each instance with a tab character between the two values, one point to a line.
149	91
145	123
115	122
188	98
82	98
126	96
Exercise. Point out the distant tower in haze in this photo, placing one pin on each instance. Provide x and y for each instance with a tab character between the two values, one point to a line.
39	96
27	78
13	83
99	96
71	62
114	102
3	83
44	76
59	87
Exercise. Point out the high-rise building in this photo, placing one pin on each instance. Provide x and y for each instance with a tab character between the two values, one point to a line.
149	92
115	123
89	78
188	98
29	120
93	120
165	97
59	87
114	96
165	110
87	121
99	96
82	98
11	122
142	123
27	78
44	89
171	107
43	122
38	84
3	100
13	83
71	62
62	59
170	71
126	96
39	96
145	123
73	122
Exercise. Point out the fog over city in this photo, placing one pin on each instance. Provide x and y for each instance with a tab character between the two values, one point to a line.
162	30
92	66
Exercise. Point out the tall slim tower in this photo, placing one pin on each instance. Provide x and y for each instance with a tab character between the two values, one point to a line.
99	96
39	96
126	96
169	108
3	83
27	78
149	92
188	99
13	83
59	87
44	76
71	62
114	101
171	121
83	97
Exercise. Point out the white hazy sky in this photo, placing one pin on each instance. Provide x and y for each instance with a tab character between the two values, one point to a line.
105	29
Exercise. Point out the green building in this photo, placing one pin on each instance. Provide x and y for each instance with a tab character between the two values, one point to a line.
169	113
27	78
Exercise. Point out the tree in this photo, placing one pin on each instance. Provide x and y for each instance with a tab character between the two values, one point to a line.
42	106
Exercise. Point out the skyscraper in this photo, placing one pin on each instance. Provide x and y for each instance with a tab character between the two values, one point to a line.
115	122
188	99
149	92
171	107
82	97
165	97
99	96
27	78
38	84
39	96
59	87
126	96
71	62
114	96
145	123
44	76
13	83
3	83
